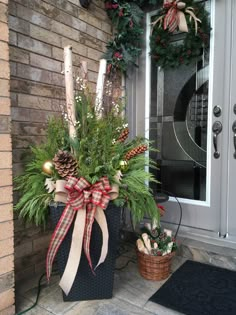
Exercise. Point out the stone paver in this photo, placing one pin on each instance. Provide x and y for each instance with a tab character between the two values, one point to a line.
130	295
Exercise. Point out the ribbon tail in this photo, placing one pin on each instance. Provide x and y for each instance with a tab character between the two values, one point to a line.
196	20
155	22
101	220
60	192
58	236
183	27
87	233
171	20
114	192
73	261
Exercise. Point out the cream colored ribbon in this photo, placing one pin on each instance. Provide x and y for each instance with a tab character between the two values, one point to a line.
58	187
70	271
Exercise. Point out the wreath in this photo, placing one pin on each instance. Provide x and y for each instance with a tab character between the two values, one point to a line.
127	18
180	33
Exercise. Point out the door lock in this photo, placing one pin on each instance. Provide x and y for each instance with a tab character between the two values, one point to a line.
217	111
217	128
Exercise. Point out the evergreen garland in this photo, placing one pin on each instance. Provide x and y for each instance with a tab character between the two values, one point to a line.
127	18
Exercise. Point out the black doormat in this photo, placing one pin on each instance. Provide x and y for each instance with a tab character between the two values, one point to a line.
199	289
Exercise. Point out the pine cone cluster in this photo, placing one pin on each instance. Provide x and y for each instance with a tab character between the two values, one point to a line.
138	150
65	164
124	135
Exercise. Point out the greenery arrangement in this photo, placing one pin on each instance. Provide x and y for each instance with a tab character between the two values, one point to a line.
127	18
156	242
100	148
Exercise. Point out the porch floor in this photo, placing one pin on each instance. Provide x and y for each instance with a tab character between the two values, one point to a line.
130	294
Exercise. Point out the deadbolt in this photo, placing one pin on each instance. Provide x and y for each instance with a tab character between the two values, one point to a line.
217	111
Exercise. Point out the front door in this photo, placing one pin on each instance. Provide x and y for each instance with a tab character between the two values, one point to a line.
189	116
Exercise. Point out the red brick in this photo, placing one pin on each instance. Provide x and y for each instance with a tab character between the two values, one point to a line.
5	177
6	299
4	51
4	87
3	12
5	142
9	311
5	160
6	194
5	106
6	264
6	212
6	231
6	248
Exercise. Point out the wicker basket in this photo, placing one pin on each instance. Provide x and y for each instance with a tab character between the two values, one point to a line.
154	267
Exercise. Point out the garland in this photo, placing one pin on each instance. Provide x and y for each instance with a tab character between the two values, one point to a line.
125	47
127	18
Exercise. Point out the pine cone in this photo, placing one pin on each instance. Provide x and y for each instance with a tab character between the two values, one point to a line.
138	150
65	164
124	135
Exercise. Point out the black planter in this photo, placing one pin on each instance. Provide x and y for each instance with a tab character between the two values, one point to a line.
88	286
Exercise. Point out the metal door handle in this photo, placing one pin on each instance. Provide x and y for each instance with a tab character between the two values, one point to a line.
234	139
216	128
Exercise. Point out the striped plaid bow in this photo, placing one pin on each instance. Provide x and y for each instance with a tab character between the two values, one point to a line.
175	16
85	203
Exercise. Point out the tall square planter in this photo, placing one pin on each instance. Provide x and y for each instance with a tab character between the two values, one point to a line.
88	286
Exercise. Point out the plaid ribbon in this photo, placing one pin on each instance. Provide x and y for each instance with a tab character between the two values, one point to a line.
171	20
81	196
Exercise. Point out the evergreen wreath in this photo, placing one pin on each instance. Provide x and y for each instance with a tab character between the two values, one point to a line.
127	18
165	50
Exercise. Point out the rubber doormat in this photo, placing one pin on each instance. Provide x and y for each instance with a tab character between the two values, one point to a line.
199	289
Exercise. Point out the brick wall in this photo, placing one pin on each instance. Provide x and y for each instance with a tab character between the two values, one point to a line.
6	213
39	29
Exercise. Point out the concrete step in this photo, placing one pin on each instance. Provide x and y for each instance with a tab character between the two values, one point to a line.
216	255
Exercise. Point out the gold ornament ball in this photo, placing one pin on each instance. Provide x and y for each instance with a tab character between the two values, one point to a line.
47	167
123	165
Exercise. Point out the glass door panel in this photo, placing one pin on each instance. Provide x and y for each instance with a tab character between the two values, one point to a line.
178	125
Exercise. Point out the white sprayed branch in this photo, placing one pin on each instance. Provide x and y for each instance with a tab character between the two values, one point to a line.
69	84
100	85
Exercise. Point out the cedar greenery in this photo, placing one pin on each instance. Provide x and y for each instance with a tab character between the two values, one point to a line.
98	153
33	203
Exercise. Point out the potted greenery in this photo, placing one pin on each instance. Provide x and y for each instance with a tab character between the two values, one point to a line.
85	180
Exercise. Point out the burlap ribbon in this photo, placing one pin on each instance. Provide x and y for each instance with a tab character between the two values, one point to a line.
87	202
175	16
